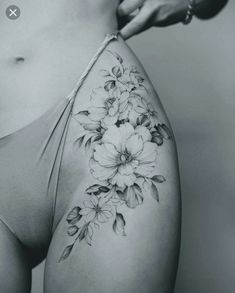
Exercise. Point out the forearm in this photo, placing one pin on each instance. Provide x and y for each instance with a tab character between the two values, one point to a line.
206	9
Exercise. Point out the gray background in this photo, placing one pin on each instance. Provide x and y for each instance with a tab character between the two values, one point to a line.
193	70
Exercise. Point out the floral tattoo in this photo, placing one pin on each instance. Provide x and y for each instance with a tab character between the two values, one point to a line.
122	133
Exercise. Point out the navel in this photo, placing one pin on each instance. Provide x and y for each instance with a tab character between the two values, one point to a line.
19	59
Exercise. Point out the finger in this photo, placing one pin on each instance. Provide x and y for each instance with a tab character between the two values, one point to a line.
129	6
123	20
138	24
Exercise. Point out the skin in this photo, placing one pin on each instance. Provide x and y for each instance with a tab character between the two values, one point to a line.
146	259
139	15
53	51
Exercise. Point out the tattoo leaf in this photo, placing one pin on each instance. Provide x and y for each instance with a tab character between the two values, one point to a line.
132	195
154	192
105	73
72	230
88	143
164	131
80	140
97	137
74	216
133	69
119	225
86	139
85	113
117	56
143	120
117	71
110	84
158	178
157	138
89	235
140	79
96	189
66	252
83	232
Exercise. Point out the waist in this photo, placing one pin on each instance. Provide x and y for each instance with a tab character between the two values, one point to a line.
41	71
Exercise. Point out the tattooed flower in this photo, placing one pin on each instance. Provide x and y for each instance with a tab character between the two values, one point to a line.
127	103
105	108
122	134
124	154
134	109
123	78
124	82
147	115
135	76
96	209
93	131
127	107
83	119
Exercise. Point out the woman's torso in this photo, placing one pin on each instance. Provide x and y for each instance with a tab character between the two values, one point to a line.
44	51
42	55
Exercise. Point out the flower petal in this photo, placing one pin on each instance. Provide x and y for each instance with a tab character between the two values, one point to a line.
91	216
106	155
134	145
100	172
146	170
125	169
133	116
107	214
124	96
109	120
97	113
98	97
85	121
122	180
101	217
144	133
149	153
86	211
91	202
107	207
118	135
113	109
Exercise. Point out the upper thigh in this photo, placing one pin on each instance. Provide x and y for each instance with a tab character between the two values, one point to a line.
141	259
15	273
128	192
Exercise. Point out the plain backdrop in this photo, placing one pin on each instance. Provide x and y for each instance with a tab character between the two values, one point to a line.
193	69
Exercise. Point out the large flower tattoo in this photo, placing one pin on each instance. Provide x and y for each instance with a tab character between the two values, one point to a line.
123	133
124	154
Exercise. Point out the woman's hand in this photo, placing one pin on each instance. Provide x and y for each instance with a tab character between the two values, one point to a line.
136	16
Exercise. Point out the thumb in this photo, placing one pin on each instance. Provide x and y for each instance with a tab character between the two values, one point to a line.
137	24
